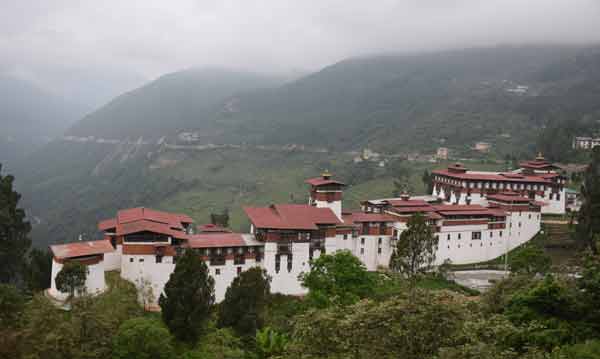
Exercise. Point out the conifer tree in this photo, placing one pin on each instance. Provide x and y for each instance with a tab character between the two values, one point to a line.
188	297
415	250
245	300
588	227
14	231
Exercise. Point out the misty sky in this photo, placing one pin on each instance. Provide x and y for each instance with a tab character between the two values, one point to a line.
62	44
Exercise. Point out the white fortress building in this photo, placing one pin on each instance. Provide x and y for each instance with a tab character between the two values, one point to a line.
144	244
536	180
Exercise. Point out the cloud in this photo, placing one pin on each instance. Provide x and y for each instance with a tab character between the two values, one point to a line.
151	37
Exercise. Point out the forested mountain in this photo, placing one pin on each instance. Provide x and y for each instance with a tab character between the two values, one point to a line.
421	99
512	97
29	116
174	102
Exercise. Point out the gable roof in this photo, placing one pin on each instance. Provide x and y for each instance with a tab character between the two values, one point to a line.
141	219
361	217
290	216
492	176
219	240
212	228
320	181
81	249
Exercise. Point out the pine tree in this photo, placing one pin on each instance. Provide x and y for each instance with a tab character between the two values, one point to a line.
415	250
14	231
588	227
188	297
245	300
39	270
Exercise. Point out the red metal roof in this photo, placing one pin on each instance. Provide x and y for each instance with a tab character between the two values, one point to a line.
500	177
458	207
145	219
212	228
175	220
290	216
107	224
483	212
149	226
320	181
508	197
81	249
358	217
536	164
216	240
407	203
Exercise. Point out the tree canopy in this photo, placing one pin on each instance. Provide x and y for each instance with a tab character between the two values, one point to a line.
14	231
188	297
588	227
415	250
338	278
245	300
142	338
71	278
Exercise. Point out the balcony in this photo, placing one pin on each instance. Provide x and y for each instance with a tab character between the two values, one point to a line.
287	249
239	259
217	260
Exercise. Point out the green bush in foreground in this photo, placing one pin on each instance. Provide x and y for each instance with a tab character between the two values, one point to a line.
142	338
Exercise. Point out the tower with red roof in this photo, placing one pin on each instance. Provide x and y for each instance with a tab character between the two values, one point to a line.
326	192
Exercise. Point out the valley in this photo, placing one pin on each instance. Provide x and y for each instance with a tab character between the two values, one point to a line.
205	140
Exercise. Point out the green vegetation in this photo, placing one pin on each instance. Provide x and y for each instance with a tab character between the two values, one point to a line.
71	278
415	250
588	226
187	98
523	316
530	258
14	232
142	338
244	304
337	279
188	297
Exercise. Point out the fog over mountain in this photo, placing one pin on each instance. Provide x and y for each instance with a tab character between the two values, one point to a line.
81	49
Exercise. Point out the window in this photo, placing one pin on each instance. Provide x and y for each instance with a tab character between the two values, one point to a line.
491	234
459	236
141	259
362	241
379	250
130	260
362	251
217	271
448	237
239	270
519	224
345	236
500	233
476	235
529	216
379	240
159	259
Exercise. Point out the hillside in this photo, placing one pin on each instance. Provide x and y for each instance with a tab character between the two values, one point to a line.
172	103
423	99
29	117
392	103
